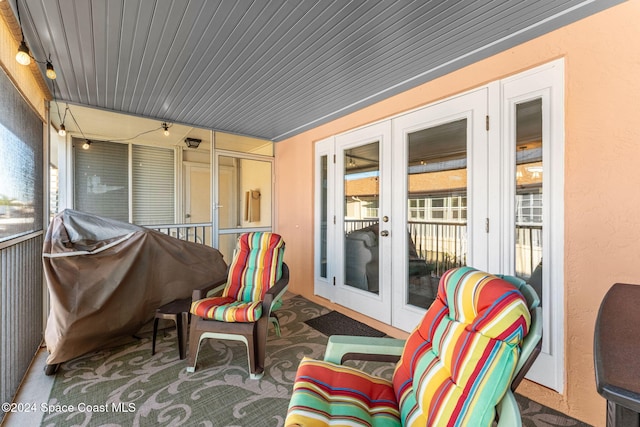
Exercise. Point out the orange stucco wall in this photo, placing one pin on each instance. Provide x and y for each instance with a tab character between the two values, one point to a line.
602	177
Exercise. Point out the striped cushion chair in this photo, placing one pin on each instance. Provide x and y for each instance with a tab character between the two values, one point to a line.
256	281
455	367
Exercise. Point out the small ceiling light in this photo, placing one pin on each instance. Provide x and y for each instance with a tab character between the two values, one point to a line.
166	129
192	142
51	73
86	145
62	131
23	56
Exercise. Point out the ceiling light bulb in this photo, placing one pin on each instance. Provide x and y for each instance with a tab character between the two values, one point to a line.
62	131
23	56
51	73
166	128
86	145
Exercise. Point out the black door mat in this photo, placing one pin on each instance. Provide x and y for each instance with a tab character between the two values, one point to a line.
335	323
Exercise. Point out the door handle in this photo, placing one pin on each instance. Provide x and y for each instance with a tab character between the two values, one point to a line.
384	233
187	216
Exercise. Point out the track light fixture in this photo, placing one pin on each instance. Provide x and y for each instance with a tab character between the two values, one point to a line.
165	126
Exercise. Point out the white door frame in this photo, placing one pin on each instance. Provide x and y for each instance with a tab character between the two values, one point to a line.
491	195
471	106
547	83
324	232
216	193
378	305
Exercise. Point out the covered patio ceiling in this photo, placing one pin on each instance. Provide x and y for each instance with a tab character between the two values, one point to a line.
269	69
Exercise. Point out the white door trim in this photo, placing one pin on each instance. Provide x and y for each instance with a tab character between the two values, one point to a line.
545	82
472	107
377	306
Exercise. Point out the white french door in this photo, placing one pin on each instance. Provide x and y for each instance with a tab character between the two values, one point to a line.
378	255
362	228
475	180
439	199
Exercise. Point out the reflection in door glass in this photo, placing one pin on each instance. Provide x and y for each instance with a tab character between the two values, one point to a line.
324	172
361	197
528	201
436	207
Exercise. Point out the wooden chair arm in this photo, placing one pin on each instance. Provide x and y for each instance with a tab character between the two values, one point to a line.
345	347
215	285
277	290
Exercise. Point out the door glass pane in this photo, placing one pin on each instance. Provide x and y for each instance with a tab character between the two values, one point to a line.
228	216
244	198
361	201
528	201
324	171
436	207
244	193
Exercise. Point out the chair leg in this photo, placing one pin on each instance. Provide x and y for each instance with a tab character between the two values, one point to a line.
251	354
260	336
184	335
155	332
181	332
194	346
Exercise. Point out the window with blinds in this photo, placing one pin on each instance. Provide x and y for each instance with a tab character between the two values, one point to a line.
153	188
102	179
102	182
21	179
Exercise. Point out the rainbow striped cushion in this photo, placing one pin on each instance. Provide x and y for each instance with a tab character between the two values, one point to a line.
226	309
256	266
326	394
458	363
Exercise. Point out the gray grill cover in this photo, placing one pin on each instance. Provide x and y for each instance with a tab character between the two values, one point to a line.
106	278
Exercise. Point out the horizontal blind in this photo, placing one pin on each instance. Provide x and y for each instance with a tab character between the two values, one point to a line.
102	179
153	192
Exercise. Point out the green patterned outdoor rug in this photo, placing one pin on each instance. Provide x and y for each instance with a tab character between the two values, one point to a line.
127	386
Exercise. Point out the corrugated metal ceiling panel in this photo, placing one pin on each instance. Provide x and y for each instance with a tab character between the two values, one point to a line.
270	68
